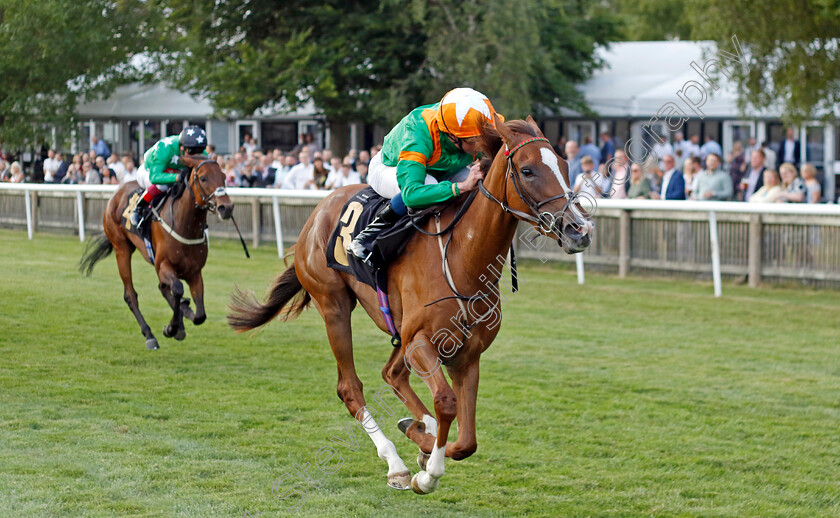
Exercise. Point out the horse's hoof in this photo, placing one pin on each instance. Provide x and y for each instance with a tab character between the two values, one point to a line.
401	480
152	344
415	484
404	423
422	459
181	334
199	320
168	332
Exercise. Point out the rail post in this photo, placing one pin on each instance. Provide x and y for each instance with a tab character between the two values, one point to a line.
754	251
27	202
713	238
623	243
278	229
80	208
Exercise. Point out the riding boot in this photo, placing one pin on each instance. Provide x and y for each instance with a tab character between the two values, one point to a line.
362	244
142	204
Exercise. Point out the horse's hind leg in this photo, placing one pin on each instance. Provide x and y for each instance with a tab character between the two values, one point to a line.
172	290
197	317
335	308
123	251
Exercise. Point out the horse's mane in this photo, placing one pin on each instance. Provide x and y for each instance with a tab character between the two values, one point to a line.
490	142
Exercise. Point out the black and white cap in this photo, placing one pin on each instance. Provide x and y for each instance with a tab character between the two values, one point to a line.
193	137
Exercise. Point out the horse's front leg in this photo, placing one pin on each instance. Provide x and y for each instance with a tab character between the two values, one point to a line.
196	283
172	290
424	361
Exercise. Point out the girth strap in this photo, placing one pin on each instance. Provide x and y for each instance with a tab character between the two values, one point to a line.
178	237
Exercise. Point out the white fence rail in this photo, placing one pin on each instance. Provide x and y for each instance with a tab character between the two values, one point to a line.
776	241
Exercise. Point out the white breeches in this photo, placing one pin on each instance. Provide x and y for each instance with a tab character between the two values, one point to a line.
383	178
143	179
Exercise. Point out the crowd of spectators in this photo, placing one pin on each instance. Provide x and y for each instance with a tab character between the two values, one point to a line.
684	169
304	167
675	169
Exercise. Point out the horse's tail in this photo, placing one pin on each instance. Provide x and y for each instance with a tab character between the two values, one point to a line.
247	313
95	251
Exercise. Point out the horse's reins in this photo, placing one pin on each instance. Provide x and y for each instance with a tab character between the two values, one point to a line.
524	196
205	205
205	200
536	217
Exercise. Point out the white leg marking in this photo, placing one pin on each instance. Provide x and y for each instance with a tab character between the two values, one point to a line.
431	424
428	480
384	447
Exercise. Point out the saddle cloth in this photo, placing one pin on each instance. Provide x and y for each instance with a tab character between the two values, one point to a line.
355	216
144	231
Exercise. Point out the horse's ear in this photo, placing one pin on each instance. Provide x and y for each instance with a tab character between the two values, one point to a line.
507	135
531	122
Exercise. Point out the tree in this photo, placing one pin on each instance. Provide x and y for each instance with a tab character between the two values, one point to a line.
56	52
792	48
651	20
373	61
250	54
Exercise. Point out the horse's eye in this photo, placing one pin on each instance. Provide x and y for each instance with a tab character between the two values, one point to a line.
203	179
526	172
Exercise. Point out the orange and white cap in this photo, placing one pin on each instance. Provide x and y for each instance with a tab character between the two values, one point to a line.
463	112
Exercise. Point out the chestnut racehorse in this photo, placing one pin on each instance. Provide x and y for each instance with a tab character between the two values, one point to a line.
523	174
178	239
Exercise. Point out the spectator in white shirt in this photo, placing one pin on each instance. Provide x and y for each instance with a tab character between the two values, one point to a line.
682	145
130	174
588	184
50	166
277	161
693	147
249	144
301	176
343	177
662	148
280	174
117	166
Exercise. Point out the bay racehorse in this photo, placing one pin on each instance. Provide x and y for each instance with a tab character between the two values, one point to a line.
178	241
524	180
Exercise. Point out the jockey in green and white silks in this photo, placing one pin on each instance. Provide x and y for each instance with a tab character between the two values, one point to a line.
426	158
162	164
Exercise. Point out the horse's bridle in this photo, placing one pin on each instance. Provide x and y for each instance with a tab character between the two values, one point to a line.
545	220
205	198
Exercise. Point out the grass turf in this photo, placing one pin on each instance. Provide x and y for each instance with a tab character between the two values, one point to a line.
623	397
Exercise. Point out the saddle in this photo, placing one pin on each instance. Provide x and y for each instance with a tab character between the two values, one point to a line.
144	229
360	210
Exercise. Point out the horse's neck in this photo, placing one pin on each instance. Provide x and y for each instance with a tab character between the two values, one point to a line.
189	221
485	234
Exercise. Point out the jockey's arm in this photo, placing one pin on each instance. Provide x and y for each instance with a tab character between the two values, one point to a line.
411	176
157	163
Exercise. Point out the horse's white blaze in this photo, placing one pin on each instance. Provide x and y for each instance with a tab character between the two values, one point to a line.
431	424
550	159
384	447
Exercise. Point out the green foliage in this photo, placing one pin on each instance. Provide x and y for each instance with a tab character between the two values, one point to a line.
55	52
792	46
375	61
246	55
653	20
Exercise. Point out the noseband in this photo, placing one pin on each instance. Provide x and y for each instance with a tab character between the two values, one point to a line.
545	220
205	198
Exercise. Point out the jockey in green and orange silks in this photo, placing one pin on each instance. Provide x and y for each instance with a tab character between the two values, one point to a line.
428	158
162	164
